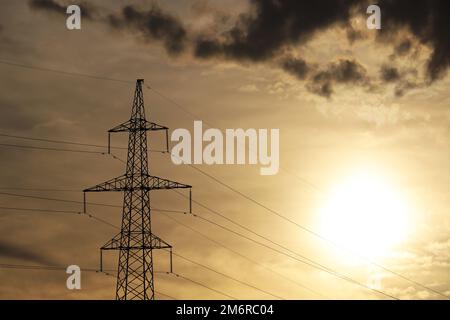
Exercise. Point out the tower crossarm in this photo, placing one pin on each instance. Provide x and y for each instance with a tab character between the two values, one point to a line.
137	125
151	242
155	183
115	184
152	183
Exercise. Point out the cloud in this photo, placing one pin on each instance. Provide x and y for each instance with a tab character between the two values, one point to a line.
270	26
403	47
404	80
343	71
88	11
428	22
389	74
296	67
321	81
353	35
152	24
440	248
9	250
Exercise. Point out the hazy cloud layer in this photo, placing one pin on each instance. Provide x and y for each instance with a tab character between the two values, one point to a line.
13	251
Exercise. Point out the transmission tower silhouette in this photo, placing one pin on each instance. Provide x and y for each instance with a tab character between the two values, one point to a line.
136	242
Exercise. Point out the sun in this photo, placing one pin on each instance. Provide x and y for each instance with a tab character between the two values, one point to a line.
365	214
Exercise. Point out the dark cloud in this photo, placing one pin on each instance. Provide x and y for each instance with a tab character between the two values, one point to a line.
389	74
343	71
87	11
403	47
9	250
404	80
272	25
428	22
321	81
353	35
295	66
153	24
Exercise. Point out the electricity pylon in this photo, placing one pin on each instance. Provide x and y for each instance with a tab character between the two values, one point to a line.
136	241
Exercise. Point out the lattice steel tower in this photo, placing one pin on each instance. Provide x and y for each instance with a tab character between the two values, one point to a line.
136	241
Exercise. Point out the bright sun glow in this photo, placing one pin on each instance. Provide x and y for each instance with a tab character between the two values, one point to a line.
366	215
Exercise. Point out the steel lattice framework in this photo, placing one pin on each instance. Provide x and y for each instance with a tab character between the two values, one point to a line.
136	241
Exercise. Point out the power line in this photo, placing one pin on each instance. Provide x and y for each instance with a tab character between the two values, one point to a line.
61	268
227	276
59	141
66	150
41	267
220	244
306	260
48	148
75	201
76	74
40	210
310	231
90	215
187	259
165	295
52	199
49	211
159	93
204	286
40	189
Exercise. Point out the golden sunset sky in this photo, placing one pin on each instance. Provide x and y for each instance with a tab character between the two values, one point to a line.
364	145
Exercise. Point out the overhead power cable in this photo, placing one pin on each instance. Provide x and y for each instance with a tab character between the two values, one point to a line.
220	244
68	73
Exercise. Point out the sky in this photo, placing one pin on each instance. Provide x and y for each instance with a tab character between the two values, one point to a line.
346	99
